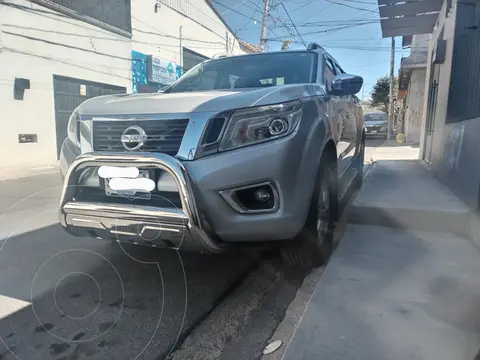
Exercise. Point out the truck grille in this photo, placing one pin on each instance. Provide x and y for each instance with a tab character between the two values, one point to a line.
163	136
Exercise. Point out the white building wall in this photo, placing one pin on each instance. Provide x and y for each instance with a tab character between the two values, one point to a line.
158	33
39	43
420	42
413	116
446	22
28	52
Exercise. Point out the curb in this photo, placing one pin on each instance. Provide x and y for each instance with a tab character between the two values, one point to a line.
285	331
368	168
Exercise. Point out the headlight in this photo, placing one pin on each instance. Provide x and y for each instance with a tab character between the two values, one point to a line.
383	128
73	130
260	124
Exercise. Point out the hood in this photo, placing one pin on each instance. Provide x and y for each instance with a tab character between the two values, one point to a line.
188	102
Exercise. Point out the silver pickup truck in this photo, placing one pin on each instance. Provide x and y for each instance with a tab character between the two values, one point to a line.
256	148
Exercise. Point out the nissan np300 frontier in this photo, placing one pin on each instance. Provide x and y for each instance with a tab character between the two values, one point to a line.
241	149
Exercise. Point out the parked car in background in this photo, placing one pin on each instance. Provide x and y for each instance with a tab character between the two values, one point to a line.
242	149
376	124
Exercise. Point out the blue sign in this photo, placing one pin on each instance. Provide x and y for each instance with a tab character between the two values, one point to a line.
152	73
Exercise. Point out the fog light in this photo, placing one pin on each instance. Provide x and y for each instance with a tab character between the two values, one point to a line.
252	198
262	195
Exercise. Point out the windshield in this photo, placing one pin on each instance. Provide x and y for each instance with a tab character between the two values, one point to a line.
249	71
376	117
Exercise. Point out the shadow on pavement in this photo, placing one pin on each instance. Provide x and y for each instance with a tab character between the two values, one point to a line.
93	301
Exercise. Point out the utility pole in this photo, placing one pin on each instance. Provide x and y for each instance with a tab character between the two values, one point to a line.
263	30
226	42
392	78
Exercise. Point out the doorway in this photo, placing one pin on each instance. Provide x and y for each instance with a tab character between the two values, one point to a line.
68	94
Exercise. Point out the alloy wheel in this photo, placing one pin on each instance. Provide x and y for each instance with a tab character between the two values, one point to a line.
323	211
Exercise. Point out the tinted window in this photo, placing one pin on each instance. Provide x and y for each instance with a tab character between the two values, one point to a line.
338	69
248	71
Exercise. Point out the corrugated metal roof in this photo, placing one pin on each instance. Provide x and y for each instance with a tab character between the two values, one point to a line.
402	18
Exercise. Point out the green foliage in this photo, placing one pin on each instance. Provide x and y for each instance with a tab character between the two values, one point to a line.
381	91
286	45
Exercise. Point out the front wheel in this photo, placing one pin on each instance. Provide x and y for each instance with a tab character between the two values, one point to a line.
313	246
360	162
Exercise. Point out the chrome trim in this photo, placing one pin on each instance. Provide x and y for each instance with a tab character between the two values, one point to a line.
124	212
191	139
158	228
229	197
113	231
86	136
108	217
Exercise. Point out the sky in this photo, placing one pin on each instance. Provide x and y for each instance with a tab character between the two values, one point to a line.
348	29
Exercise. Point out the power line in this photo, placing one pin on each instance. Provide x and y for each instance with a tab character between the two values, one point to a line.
67	62
319	11
72	47
337	23
353	47
255	5
334	29
240	3
300	36
55	16
361	2
301	7
249	19
351	7
218	43
235	11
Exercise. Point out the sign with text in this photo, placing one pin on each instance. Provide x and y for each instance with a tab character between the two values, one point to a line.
161	71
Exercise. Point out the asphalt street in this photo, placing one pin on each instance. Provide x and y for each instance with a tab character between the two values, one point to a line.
68	298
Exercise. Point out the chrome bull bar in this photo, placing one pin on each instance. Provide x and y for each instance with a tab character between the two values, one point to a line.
156	226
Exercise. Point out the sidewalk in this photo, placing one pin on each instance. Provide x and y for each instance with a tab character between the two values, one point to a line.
23	171
404	283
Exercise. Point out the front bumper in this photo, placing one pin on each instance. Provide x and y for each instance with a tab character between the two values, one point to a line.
164	227
375	131
203	219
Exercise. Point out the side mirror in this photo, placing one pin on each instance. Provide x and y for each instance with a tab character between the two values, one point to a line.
346	84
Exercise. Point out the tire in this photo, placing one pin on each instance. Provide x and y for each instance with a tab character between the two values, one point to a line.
360	163
313	246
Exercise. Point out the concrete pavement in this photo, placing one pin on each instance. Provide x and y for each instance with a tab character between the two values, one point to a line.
67	298
394	294
396	287
70	298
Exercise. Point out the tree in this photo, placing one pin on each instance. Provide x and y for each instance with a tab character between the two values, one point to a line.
381	91
286	45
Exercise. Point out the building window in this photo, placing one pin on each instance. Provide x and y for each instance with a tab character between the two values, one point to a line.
116	13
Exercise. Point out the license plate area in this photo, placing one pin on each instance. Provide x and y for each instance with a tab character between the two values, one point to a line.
131	193
373	131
